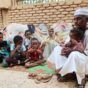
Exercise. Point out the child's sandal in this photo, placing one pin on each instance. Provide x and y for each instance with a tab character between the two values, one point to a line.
32	76
43	78
46	80
38	79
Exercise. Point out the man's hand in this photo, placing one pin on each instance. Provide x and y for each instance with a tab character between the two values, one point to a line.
66	50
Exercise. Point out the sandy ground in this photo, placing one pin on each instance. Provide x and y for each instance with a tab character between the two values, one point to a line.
17	79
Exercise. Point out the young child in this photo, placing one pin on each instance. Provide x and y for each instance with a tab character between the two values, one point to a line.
18	51
28	35
75	43
4	51
49	43
34	54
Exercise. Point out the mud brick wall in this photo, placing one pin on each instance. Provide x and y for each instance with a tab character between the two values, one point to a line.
47	13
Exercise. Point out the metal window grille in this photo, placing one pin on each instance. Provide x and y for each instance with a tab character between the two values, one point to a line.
37	1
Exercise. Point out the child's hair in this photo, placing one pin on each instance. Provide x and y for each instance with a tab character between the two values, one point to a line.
34	39
3	44
17	39
1	33
77	33
27	31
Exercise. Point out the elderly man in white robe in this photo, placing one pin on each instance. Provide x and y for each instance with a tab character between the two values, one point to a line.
76	62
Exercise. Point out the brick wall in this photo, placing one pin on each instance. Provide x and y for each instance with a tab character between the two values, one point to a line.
46	13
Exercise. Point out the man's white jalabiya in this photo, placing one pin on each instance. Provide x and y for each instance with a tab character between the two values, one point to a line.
76	62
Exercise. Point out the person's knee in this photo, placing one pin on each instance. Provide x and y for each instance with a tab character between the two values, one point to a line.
8	60
74	53
74	56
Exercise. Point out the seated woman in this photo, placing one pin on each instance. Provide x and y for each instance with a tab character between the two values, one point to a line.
18	52
76	61
34	54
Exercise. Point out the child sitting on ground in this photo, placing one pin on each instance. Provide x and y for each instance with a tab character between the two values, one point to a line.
18	51
34	54
4	51
28	35
75	43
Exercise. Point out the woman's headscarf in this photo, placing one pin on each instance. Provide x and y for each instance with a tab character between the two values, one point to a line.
31	28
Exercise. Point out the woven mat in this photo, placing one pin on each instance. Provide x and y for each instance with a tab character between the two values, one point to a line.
41	70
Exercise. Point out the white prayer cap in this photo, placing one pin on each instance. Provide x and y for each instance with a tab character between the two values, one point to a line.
81	11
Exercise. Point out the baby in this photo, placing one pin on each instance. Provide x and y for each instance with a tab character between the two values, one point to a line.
75	43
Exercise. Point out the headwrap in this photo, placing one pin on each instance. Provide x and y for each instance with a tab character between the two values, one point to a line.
81	11
43	27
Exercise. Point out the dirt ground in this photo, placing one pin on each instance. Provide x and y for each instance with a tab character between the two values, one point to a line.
17	77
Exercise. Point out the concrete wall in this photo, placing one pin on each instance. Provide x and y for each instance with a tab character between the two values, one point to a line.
1	20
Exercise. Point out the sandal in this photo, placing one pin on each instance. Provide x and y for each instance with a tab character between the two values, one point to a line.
37	81
43	78
32	76
46	80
